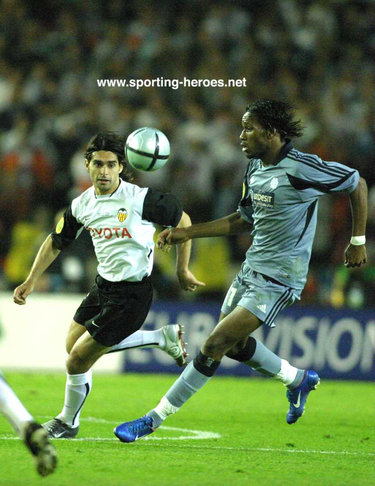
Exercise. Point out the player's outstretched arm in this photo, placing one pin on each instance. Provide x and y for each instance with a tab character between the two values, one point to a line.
46	255
229	225
355	253
185	277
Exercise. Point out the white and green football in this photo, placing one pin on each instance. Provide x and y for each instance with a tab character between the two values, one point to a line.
147	149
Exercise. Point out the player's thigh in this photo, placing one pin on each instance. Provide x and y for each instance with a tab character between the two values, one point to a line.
232	297
74	333
232	329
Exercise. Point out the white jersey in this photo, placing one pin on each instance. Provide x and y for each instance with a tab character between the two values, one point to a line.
122	227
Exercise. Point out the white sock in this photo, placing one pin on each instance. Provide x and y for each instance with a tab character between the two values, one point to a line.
12	408
162	411
76	390
140	339
165	408
287	373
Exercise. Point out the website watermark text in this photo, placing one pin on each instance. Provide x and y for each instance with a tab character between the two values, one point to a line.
162	82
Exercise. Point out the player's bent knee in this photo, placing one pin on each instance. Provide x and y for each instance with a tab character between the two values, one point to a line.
84	354
234	350
217	345
243	351
239	345
75	364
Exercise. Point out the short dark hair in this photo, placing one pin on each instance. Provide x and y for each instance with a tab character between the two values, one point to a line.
110	142
276	115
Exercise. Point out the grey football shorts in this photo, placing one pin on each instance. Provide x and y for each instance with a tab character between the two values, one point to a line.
262	296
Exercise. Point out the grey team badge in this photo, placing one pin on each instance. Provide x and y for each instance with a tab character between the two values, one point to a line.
122	214
274	183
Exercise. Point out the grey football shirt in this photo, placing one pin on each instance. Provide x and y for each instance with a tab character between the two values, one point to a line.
281	202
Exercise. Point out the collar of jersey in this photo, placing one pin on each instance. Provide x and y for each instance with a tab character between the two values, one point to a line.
107	196
285	149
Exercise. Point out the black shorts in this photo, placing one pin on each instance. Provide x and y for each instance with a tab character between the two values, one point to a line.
112	311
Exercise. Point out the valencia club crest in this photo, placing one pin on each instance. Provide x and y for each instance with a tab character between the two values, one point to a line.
122	214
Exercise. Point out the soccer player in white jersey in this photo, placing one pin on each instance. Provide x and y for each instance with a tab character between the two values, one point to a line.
279	204
121	219
25	426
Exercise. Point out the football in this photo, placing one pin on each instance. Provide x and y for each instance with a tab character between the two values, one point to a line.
147	149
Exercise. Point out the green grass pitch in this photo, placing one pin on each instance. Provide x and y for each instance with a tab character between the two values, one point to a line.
247	443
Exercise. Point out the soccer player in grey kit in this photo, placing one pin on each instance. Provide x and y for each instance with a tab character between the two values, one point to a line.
279	204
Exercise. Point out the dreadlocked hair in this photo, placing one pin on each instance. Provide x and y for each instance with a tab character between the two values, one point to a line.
110	142
276	115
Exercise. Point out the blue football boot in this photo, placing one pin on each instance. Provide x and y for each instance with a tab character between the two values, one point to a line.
297	397
131	431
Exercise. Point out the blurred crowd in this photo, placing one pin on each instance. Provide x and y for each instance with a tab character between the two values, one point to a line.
317	55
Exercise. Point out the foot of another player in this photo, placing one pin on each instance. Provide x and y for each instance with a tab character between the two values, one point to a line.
297	397
57	429
174	343
134	430
36	441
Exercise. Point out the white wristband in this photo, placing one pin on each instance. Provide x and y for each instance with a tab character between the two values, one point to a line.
358	240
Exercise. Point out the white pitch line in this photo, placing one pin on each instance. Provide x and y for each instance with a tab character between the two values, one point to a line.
219	448
80	439
270	449
199	434
192	434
